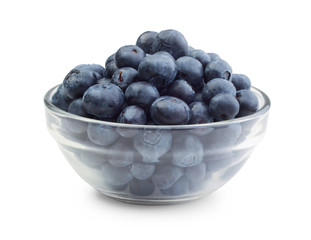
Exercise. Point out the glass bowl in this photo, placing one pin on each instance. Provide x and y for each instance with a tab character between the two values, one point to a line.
152	164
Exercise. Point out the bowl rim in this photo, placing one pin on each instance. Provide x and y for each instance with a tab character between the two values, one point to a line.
263	110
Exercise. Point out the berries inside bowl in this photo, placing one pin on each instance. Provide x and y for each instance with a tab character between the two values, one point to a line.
159	123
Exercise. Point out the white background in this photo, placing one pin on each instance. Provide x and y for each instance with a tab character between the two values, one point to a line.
43	198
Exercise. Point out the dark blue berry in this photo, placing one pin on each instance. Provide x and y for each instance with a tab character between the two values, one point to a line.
60	99
241	81
182	90
78	81
123	77
119	158
129	56
166	175
223	107
152	144
213	56
102	134
110	69
248	102
168	110
145	41
142	171
104	80
116	175
201	56
217	69
180	187
110	59
159	70
103	100
76	107
215	87
142	94
98	69
141	188
132	115
187	151
199	113
191	70
171	41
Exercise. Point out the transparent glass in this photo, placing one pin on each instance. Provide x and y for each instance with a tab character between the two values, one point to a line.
149	164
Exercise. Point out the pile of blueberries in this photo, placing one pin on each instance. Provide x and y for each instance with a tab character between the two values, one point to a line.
159	81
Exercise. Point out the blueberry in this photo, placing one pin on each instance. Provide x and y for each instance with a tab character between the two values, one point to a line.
166	175
223	107
152	144
123	77
77	81
230	172
129	56
119	158
165	54
196	173
103	80
170	41
141	188
190	49
103	100
77	126
110	69
116	175
248	102
182	90
142	171
187	151
215	87
219	161
159	70
142	94
145	41
191	70
98	69
241	81
92	159
180	187
101	134
198	96
169	110
213	56
217	69
201	56
110	59
132	115
60	99
199	113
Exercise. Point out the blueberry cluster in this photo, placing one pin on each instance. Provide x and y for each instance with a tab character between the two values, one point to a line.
159	81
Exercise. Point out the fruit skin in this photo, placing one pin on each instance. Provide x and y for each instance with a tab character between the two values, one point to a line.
217	69
110	59
110	69
103	100
129	56
101	134
199	113
182	90
77	81
191	70
168	110
213	56
223	107
201	56
142	94
171	41
60	99
145	41
76	107
248	102
123	77
187	151
241	81
132	115
141	187
159	70
98	69
215	87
